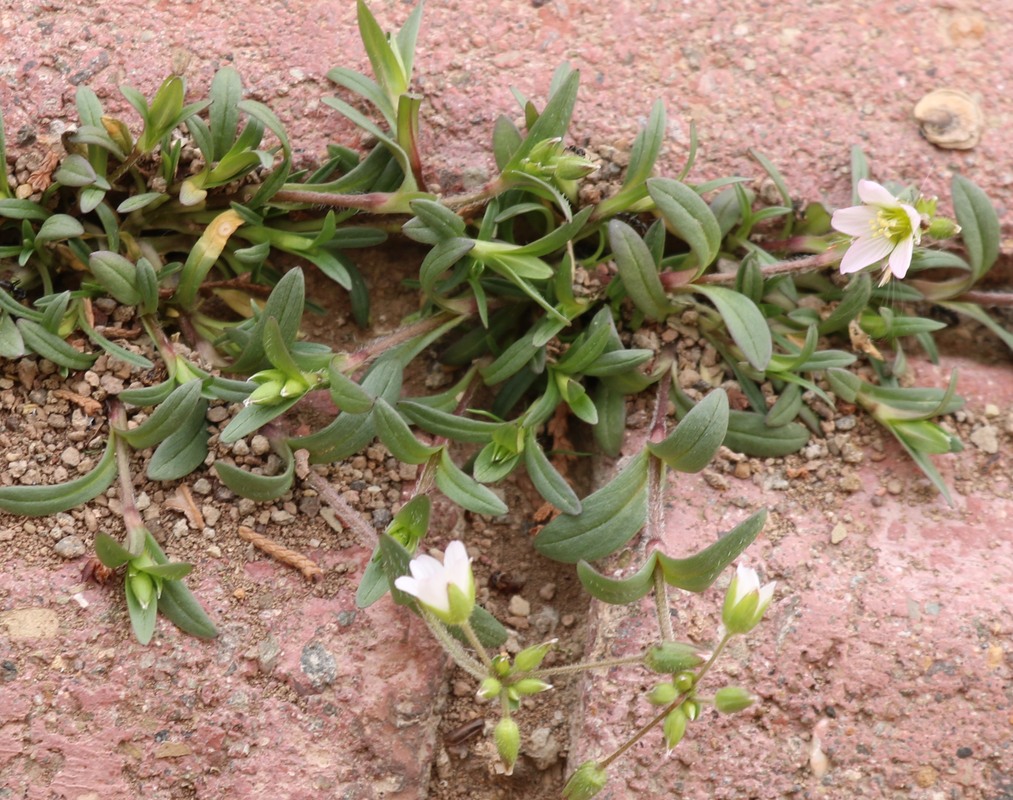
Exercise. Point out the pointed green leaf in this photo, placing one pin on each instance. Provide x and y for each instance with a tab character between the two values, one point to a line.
746	323
184	450
40	501
687	216
698	572
749	434
171	414
618	591
637	270
546	478
394	432
608	520
142	619
465	490
453	426
49	345
261	488
692	445
117	275
253	417
173	571
110	552
177	602
979	225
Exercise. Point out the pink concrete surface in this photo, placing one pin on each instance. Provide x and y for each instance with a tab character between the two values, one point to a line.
892	646
298	701
801	82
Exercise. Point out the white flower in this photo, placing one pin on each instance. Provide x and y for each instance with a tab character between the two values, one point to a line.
883	227
745	601
447	589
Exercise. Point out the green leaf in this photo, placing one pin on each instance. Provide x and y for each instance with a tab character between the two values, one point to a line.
745	323
687	216
453	426
12	345
978	314
611	427
546	478
49	345
786	408
261	488
346	393
386	64
979	225
394	432
692	445
487	628
554	120
58	228
184	450
285	304
40	501
253	417
859	172
173	571
609	518
117	276
177	602
749	434
148	395
618	591
637	270
75	170
698	572
110	552
226	93
170	416
142	619
465	490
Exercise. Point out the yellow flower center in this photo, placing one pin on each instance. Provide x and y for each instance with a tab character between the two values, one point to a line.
891	223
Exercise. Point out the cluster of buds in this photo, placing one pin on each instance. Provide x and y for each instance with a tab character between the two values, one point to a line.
551	160
275	386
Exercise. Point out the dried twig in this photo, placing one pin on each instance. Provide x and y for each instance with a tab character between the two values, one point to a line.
308	568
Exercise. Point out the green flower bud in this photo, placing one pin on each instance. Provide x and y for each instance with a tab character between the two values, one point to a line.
674	727
692	710
586	782
662	694
508	742
943	228
531	657
684	681
529	686
501	665
745	601
489	689
143	587
671	657
294	387
267	394
732	699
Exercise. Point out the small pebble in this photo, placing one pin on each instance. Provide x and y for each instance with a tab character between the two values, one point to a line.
260	445
70	547
986	439
71	456
202	486
519	607
894	486
743	471
846	423
839	533
548	591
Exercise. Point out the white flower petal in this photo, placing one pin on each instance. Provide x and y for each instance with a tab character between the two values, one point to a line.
854	221
746	581
425	567
916	222
900	258
457	565
876	194
865	251
407	585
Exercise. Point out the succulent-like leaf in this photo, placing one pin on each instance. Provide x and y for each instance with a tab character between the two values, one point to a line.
745	323
464	490
261	488
979	225
177	602
49	345
171	414
699	571
749	434
184	450
692	445
394	432
40	501
609	518
687	216
546	478
638	271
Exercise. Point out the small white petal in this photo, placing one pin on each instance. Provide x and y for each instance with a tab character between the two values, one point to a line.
407	585
865	251
424	567
746	581
900	258
916	222
854	221
876	194
457	565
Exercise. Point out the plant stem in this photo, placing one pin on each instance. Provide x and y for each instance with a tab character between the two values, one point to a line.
661	605
589	665
476	645
131	515
640	733
451	646
806	264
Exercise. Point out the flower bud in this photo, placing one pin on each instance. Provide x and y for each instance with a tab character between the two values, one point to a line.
531	657
501	665
691	709
508	742
529	686
732	698
745	601
143	587
662	694
672	657
586	782
489	689
674	727
943	228
684	681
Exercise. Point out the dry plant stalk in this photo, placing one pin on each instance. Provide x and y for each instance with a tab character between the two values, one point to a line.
307	567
